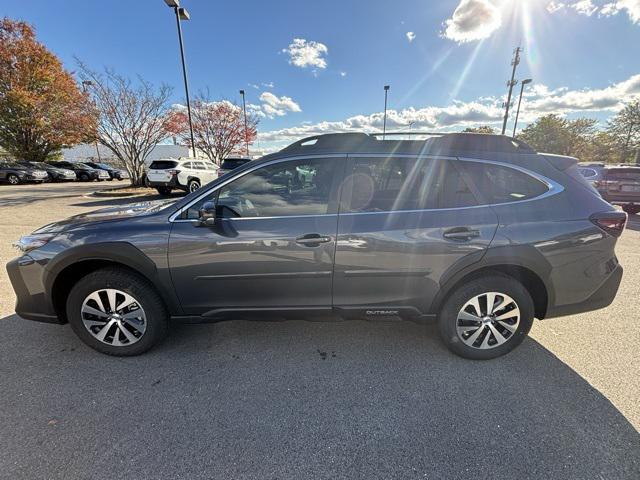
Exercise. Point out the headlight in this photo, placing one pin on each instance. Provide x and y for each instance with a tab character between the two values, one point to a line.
31	242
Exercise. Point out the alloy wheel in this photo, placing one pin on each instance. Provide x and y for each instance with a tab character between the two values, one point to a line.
193	186
488	320
13	180
113	317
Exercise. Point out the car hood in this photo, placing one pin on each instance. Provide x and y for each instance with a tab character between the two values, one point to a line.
103	215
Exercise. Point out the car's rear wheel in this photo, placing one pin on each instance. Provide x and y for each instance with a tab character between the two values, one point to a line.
193	185
486	317
117	312
13	179
83	177
164	190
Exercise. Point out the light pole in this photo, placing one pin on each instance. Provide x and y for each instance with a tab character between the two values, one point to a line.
244	109
384	121
522	84
510	84
182	14
85	84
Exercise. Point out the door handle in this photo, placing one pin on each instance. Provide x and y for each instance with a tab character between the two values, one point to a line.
461	233
312	239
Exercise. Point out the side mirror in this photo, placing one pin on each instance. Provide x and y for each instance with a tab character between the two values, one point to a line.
207	215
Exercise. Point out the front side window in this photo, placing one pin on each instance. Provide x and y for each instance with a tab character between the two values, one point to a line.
296	187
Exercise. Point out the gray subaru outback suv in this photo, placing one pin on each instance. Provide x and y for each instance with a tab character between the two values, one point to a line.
477	231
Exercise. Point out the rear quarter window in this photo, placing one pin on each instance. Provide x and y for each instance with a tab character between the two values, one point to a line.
163	164
497	184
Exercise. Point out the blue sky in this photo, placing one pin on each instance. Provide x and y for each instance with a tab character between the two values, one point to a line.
583	56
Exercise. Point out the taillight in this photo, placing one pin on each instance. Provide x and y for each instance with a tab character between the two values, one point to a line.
611	222
173	172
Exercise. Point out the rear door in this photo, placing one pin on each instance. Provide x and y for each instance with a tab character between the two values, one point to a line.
404	222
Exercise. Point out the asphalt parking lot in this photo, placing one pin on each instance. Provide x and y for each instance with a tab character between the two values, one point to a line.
297	399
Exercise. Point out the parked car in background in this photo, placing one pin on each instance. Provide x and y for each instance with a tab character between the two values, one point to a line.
592	172
83	172
114	173
14	173
55	174
478	232
185	174
231	163
620	185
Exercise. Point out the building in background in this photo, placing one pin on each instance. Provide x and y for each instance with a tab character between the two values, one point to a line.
87	153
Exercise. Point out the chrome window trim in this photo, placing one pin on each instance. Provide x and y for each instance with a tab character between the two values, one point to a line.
553	187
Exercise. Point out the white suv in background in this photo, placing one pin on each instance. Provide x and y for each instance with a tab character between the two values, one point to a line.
186	174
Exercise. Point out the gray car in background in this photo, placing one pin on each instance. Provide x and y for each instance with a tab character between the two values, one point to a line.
477	231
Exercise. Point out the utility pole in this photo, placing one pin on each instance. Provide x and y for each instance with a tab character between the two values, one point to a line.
244	109
511	83
384	121
515	124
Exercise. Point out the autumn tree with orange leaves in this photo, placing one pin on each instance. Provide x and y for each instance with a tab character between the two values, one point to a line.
218	127
42	110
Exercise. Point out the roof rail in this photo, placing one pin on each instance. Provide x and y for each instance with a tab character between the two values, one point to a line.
438	143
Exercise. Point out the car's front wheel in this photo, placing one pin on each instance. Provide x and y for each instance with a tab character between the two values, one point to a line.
117	312
13	179
486	317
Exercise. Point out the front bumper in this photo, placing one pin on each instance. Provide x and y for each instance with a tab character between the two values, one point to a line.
25	274
601	298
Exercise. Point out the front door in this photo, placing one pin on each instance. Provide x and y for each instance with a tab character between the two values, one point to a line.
404	222
272	245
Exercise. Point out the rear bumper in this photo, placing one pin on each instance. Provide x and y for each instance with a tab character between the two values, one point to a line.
601	298
25	275
173	183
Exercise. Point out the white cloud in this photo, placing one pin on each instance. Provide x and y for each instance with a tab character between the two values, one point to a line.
274	106
307	53
584	7
343	74
538	100
553	7
410	36
472	20
588	8
632	8
267	84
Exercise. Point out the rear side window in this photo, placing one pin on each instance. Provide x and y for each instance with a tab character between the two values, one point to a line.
403	183
587	172
163	164
231	164
498	184
623	174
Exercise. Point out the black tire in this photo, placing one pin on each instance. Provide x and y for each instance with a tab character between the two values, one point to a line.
193	185
13	179
83	177
493	282
165	191
132	284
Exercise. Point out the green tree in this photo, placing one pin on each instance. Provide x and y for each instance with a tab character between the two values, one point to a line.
625	128
41	108
480	129
554	134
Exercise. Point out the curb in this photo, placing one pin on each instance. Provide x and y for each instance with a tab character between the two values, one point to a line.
113	193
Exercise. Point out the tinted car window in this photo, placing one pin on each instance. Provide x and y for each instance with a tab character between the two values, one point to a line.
623	174
499	184
230	164
162	164
587	172
297	187
403	183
